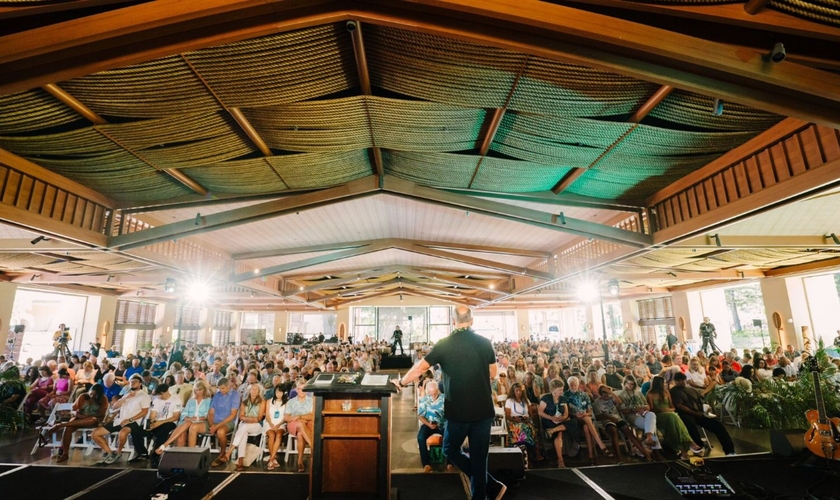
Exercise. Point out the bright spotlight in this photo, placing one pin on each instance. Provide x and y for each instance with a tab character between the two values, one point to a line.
198	291
588	292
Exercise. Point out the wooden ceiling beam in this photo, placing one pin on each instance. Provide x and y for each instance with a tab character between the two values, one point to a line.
106	278
244	215
556	222
639	115
473	261
734	14
355	29
680	276
495	122
357	276
93	117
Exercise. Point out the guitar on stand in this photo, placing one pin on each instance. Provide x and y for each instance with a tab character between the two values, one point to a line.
823	437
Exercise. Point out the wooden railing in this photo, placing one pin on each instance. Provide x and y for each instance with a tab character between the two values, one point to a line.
803	149
29	193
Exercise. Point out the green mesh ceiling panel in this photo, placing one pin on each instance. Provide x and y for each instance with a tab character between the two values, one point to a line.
317	170
555	88
516	176
32	110
695	110
440	69
238	177
434	169
288	67
162	87
118	175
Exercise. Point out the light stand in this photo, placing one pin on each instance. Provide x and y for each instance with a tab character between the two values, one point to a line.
588	292
604	330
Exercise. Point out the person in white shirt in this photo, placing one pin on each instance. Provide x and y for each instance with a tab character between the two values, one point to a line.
275	424
163	418
132	408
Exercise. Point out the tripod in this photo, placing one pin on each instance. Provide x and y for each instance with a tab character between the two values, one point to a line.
61	349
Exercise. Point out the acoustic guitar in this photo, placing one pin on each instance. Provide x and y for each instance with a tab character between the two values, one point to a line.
823	437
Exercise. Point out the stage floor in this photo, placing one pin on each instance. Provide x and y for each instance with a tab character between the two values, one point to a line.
754	477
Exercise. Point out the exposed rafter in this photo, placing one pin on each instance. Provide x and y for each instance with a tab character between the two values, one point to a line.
635	118
91	116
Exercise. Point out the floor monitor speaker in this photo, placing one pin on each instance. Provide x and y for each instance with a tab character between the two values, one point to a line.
194	462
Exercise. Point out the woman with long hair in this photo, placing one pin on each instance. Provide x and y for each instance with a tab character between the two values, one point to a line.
554	412
60	393
251	413
521	431
300	415
89	411
194	414
580	407
668	422
42	386
275	425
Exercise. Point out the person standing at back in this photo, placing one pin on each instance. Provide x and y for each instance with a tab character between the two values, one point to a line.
468	363
397	337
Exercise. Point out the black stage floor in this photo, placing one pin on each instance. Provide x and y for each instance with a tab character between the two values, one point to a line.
754	478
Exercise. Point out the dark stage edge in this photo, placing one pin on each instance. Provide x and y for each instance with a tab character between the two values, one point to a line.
758	476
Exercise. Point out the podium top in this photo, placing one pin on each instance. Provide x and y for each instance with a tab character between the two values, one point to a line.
350	382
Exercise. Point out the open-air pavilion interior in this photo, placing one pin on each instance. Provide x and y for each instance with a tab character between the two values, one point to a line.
316	156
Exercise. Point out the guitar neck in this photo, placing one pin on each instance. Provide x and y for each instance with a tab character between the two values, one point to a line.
818	395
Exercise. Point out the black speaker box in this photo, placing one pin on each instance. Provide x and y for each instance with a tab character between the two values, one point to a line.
194	462
787	445
506	463
395	362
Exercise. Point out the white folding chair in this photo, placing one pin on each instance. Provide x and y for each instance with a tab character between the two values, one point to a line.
51	421
291	447
208	440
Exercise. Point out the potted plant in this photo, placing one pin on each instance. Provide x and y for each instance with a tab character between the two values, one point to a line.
12	389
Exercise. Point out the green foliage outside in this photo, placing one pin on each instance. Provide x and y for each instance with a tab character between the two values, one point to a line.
11	420
776	404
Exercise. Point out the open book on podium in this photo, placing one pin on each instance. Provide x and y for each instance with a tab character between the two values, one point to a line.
371	379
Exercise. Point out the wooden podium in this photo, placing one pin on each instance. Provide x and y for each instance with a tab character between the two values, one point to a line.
351	452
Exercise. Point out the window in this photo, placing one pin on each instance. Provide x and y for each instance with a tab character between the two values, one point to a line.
495	325
187	324
310	325
440	322
222	327
254	327
134	326
364	323
656	319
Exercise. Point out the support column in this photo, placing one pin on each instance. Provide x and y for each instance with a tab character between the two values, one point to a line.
165	322
281	325
102	321
7	302
342	317
689	307
590	321
523	324
630	317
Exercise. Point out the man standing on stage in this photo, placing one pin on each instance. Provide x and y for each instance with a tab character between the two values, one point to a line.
468	363
708	334
397	341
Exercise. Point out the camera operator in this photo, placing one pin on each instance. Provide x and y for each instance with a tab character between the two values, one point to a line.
62	335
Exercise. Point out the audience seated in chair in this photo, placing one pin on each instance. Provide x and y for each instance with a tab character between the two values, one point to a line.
89	412
554	412
607	412
163	418
222	418
275	424
521	430
132	408
581	408
251	414
668	422
194	415
688	402
430	414
300	415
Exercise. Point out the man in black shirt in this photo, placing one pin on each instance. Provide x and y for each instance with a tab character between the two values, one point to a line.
468	363
708	334
397	341
688	402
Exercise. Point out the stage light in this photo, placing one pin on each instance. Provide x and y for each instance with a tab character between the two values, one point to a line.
38	240
588	291
613	287
169	286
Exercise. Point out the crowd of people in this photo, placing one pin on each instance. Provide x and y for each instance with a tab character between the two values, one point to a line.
178	396
555	396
